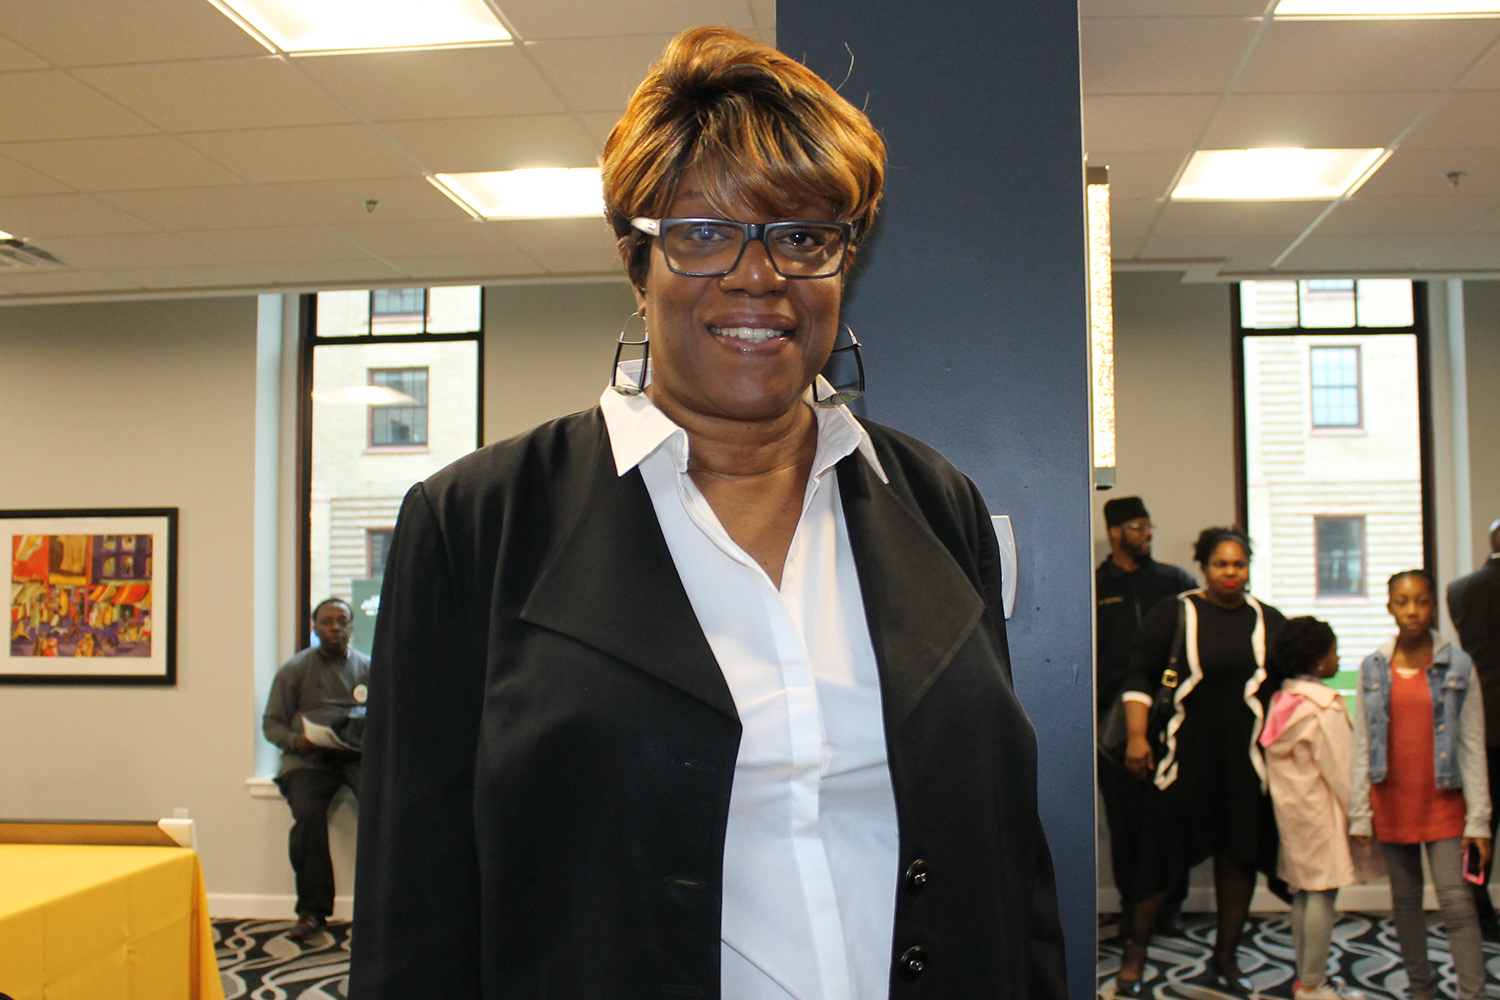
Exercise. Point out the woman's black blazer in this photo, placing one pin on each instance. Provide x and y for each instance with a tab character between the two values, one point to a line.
550	743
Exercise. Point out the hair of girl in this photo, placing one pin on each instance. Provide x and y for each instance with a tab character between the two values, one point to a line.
1209	539
1390	585
1298	646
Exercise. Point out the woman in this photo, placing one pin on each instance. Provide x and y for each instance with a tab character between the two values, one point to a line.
705	692
1420	781
1204	656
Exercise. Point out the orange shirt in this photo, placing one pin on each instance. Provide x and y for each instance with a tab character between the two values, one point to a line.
1409	807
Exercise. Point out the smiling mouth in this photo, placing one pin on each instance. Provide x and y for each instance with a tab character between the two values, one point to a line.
749	334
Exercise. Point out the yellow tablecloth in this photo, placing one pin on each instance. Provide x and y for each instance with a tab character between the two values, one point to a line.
104	923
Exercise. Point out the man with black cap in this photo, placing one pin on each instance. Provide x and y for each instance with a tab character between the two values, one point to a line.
1126	586
1474	606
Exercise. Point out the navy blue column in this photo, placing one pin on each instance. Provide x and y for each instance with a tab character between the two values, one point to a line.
971	300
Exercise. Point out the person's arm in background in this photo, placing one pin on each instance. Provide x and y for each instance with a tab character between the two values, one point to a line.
1153	647
1473	763
1361	820
281	712
417	910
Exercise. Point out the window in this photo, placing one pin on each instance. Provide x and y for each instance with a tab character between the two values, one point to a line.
1335	386
1341	556
402	422
390	390
1334	493
377	547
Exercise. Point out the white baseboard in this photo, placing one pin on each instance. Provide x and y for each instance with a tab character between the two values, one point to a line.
254	907
1372	897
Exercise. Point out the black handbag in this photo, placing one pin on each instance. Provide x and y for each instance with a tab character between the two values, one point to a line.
1114	732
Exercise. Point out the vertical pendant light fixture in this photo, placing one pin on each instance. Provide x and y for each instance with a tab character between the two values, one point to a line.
1101	329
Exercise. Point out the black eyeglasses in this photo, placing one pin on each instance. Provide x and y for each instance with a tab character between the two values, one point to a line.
709	248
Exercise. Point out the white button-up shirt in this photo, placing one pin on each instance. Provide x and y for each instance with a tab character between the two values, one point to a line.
811	851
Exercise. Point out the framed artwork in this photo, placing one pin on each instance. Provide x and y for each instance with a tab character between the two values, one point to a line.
93	596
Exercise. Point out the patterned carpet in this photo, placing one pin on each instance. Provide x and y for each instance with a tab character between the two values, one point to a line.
258	961
1364	956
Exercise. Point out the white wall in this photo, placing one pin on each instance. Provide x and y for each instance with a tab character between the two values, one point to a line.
1482	337
131	405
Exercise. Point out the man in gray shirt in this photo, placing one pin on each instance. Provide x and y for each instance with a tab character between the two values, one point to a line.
323	685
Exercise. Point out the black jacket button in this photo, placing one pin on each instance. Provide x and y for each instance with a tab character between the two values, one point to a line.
916	876
912	963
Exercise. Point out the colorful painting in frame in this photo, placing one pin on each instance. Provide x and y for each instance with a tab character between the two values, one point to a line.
93	596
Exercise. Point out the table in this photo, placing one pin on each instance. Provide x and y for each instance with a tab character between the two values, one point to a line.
104	923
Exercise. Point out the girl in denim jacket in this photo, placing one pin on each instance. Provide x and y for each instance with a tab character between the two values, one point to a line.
1420	780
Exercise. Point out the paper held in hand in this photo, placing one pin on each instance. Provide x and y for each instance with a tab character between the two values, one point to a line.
322	736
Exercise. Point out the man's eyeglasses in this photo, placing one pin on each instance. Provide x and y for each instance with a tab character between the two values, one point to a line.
709	248
1137	526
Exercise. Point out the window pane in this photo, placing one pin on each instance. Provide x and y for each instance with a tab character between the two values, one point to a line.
1327	302
453	310
1341	554
1266	305
356	490
380	547
1384	302
343	314
1335	386
398	310
1331	515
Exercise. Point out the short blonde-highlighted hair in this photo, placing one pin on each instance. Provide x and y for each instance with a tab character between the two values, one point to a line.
757	127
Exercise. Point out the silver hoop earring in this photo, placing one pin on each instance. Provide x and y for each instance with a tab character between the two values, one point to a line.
841	396
644	344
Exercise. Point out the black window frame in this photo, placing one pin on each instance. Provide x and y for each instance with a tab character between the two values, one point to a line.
1419	329
307	343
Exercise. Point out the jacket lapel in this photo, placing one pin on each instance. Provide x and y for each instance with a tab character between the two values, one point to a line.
920	605
612	585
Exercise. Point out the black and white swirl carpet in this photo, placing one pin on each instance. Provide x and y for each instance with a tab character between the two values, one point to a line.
258	961
1365	956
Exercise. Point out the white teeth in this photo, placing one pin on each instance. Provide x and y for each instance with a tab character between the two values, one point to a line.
748	333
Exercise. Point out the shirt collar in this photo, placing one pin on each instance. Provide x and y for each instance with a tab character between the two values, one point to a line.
637	428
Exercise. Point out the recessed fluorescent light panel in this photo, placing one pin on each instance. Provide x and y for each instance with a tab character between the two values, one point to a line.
537	193
320	27
1278	174
1372	10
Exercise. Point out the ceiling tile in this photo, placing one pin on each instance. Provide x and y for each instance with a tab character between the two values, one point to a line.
1142	55
218	94
53	105
478	267
568	246
347	273
581	18
1353	254
197	277
1153	123
1422	173
220	207
36	282
1474	252
1238	218
428	238
127	250
16	179
1363	55
1486	76
1240	253
1489	224
41	217
308	153
598	74
85	32
441	83
342	202
1362	215
1129	221
1316	121
458	145
1139	175
14	57
280	244
599	124
120	163
1465	120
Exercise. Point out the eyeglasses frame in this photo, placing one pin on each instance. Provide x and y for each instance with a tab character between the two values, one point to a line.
751	231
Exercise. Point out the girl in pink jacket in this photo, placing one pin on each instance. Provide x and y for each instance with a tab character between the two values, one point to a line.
1309	746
